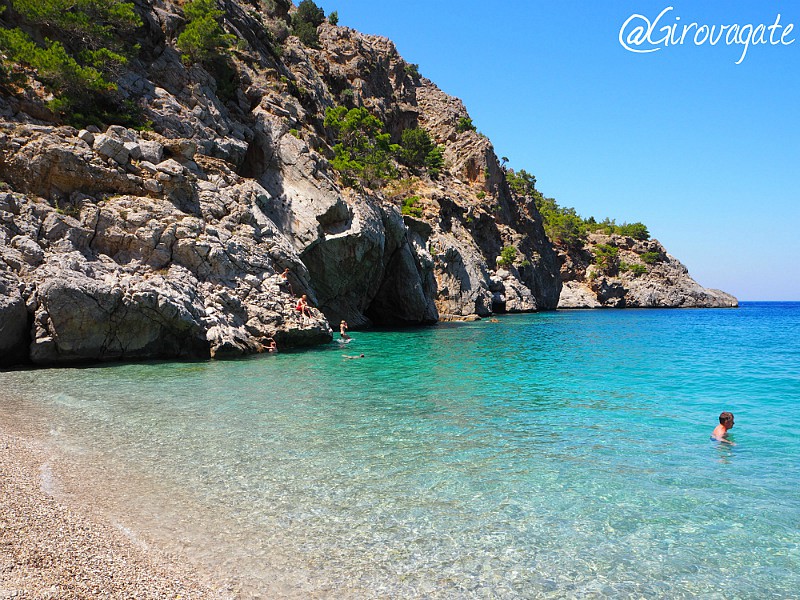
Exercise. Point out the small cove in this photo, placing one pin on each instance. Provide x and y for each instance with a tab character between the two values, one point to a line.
550	455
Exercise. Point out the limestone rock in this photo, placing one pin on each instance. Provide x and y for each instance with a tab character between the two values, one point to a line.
575	294
111	147
169	242
664	282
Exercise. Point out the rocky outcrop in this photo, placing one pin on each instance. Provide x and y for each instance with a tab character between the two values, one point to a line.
643	275
169	241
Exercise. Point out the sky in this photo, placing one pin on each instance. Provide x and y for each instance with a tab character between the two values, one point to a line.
702	150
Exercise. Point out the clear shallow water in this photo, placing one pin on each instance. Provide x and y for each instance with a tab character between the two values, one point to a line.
552	455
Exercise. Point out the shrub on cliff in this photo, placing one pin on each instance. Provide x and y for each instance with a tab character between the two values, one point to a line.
507	256
305	21
635	268
90	24
465	124
203	38
637	231
606	257
85	46
363	152
410	207
651	258
521	183
418	150
434	161
562	225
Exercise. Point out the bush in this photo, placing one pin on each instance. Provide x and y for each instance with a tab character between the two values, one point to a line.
203	38
56	68
522	184
83	51
333	18
305	21
507	256
363	152
465	124
410	207
416	145
412	69
434	161
89	24
637	231
606	257
418	150
650	258
634	268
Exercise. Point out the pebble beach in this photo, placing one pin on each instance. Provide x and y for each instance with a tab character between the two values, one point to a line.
52	547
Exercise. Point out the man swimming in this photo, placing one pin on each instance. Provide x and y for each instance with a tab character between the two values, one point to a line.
720	432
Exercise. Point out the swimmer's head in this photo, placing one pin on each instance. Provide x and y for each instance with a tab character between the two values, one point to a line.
726	418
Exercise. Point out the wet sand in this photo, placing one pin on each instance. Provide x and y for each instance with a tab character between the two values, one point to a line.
51	547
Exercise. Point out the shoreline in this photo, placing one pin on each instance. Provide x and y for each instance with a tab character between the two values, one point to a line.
53	547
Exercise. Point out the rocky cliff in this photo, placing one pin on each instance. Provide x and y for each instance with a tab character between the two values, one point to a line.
168	240
167	237
631	273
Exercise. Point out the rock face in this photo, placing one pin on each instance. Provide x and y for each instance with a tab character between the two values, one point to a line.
643	275
169	241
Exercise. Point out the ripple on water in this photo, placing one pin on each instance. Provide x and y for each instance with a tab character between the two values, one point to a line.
554	455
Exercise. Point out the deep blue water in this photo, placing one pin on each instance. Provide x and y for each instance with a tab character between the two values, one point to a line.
554	455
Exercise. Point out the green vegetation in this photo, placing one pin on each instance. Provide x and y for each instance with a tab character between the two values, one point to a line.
634	268
77	49
434	161
507	256
419	150
203	38
363	152
305	21
522	184
606	257
333	18
412	69
480	195
86	24
410	207
564	226
417	144
465	124
651	258
637	230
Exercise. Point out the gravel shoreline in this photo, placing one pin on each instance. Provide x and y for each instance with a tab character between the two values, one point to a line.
50	549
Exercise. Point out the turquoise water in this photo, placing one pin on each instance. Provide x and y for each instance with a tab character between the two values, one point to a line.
560	455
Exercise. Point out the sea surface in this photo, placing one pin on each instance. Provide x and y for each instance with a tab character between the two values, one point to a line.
556	455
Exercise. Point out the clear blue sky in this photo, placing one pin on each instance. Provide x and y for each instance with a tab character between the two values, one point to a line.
703	151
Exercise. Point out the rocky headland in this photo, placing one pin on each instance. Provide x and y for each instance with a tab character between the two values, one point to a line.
166	236
641	274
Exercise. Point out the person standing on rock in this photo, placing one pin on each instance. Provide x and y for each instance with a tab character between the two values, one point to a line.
302	306
285	280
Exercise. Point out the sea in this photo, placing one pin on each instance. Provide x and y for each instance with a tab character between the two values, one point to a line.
552	455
